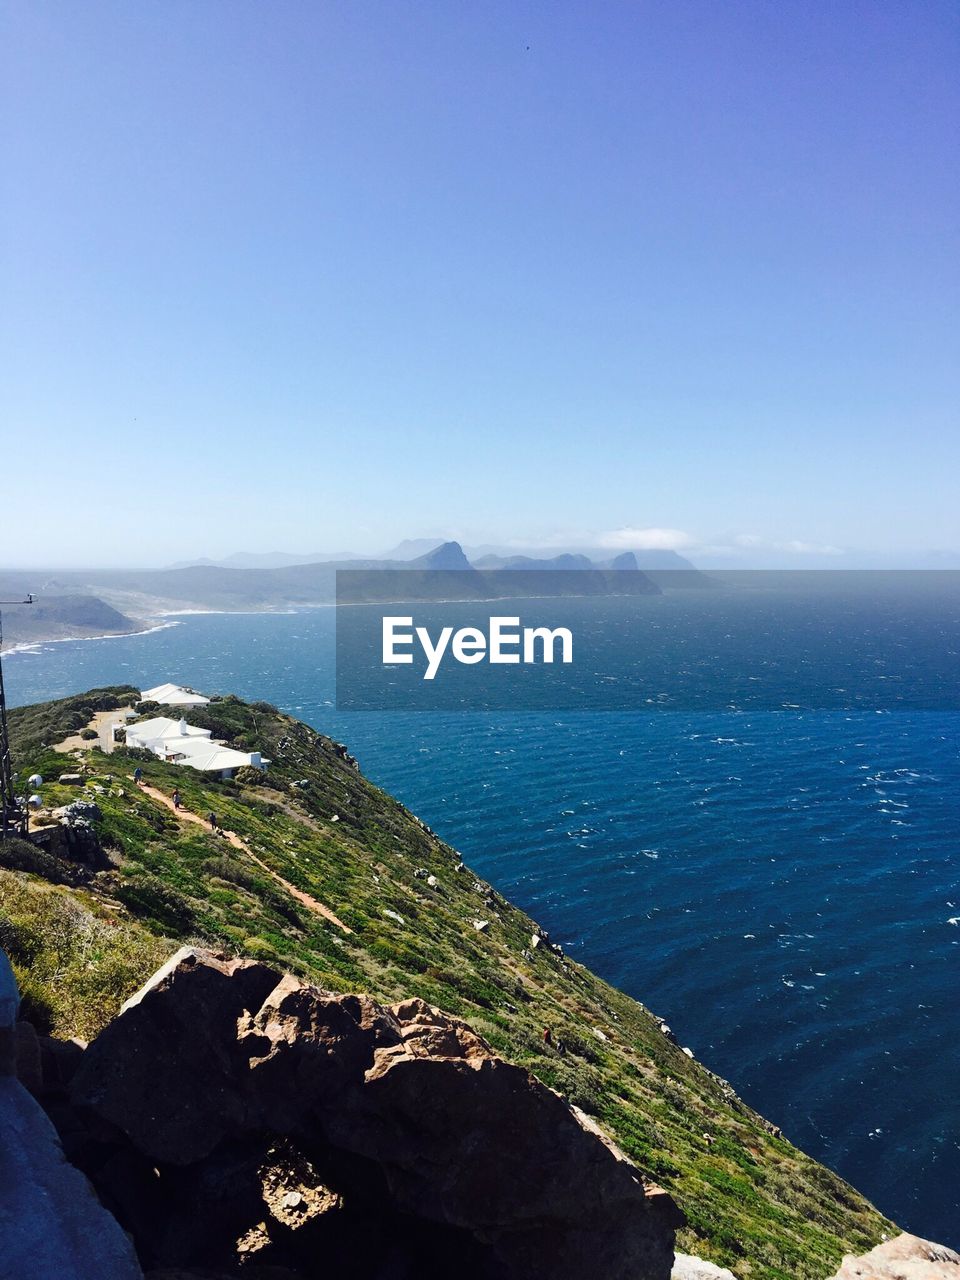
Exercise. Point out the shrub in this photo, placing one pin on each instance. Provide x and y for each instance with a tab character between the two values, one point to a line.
163	909
259	949
134	753
21	855
578	1084
234	872
89	735
265	808
20	940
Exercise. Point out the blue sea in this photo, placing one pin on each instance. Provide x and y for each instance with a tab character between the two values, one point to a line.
783	886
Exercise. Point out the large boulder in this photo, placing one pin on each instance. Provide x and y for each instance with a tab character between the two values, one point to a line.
472	1141
905	1257
308	1051
406	1110
167	1071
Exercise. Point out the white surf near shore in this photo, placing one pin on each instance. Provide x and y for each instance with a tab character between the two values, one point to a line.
241	613
38	646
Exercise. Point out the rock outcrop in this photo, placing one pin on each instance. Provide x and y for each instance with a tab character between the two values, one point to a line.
686	1267
905	1257
405	1117
66	851
52	1227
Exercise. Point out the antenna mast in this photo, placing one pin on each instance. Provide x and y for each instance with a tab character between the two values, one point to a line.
13	815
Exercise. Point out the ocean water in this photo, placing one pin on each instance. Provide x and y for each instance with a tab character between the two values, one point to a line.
782	886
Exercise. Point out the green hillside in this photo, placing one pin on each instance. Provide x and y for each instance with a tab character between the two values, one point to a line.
408	912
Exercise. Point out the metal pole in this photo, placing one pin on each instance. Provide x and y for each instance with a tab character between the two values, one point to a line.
13	815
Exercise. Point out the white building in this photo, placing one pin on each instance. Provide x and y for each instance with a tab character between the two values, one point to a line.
180	743
153	733
173	695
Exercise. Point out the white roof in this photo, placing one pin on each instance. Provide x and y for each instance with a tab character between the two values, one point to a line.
207	755
161	727
173	695
183	743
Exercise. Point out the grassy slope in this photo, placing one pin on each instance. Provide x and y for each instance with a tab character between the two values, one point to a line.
754	1202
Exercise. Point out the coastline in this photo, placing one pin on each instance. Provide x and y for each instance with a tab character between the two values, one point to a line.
247	613
33	646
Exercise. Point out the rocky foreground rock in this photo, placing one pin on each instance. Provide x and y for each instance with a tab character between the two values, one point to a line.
686	1267
52	1227
229	1112
905	1257
235	1122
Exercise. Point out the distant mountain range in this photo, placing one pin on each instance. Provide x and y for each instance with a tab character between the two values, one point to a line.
487	554
481	557
516	577
265	560
123	595
646	559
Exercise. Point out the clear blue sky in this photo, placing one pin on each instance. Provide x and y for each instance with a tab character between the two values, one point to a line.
319	276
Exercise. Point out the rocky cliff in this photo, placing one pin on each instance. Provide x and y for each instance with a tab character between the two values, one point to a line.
317	873
905	1257
232	1116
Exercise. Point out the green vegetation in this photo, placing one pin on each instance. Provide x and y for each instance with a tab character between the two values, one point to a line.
754	1202
75	961
34	727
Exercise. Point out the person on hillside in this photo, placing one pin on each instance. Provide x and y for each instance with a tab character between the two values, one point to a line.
212	819
176	798
138	775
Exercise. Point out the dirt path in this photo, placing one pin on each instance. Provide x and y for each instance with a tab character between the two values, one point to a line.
102	722
233	839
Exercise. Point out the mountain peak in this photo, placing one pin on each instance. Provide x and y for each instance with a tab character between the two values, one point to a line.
449	555
626	560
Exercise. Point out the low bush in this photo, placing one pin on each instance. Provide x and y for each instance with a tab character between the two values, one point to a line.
259	949
140	754
161	908
22	855
249	776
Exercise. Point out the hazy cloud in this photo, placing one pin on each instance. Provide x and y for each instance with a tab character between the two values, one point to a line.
727	545
741	545
808	548
652	539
